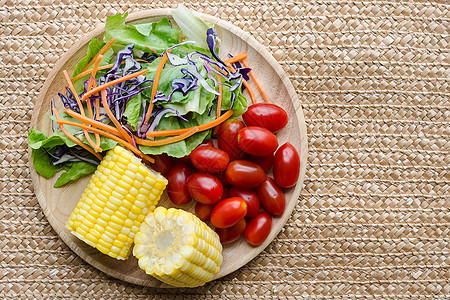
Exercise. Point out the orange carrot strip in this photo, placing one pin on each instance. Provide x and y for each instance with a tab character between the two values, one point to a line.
70	136
109	135
261	91
155	86
202	127
72	88
170	140
139	141
219	102
247	86
87	72
111	83
250	91
236	58
123	133
151	49
92	122
101	52
89	106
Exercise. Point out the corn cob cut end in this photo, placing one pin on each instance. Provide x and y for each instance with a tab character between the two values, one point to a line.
120	193
177	248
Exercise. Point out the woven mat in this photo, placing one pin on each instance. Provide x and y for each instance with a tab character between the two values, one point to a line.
373	220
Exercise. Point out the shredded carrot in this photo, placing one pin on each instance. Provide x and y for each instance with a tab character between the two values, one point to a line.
123	133
261	91
101	52
111	83
170	140
109	135
92	122
219	102
151	49
155	85
70	136
202	127
247	86
92	83
87	72
236	58
72	88
139	141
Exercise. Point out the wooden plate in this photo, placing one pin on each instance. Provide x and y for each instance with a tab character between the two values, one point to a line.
58	204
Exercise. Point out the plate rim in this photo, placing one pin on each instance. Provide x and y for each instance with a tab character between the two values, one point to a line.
161	12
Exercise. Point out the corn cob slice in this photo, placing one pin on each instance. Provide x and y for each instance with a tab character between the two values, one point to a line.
177	248
121	192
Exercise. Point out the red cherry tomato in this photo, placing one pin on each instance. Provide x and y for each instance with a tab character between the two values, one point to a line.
209	159
162	163
264	161
266	115
231	234
258	228
250	197
244	174
222	179
208	143
227	138
257	141
286	166
204	188
271	196
203	211
176	186
228	212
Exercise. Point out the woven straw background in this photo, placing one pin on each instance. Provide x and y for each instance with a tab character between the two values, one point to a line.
373	220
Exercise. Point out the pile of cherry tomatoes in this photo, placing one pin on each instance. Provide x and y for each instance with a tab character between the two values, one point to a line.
229	182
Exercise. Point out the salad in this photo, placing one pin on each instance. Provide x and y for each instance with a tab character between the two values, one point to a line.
151	87
164	94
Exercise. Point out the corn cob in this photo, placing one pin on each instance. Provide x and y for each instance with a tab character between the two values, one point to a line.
121	192
177	248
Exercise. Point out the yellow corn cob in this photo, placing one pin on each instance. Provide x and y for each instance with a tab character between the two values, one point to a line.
177	248
121	192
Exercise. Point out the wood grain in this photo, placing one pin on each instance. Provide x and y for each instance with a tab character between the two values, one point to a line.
57	204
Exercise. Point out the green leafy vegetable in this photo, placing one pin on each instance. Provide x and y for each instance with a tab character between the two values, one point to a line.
158	36
75	171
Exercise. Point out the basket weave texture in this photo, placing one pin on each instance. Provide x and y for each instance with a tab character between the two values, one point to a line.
373	220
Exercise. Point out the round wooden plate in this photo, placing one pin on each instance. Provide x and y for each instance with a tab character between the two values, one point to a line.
58	203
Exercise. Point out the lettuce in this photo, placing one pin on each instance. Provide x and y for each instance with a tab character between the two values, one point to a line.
158	36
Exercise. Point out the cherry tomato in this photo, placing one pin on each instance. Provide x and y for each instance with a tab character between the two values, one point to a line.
271	196
258	228
162	163
257	141
228	212
231	234
286	166
206	143
267	115
209	159
204	188
203	211
250	197
222	179
176	186
227	138
244	174
264	161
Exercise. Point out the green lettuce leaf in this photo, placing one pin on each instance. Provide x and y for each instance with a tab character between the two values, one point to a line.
158	36
40	145
184	147
133	110
75	171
